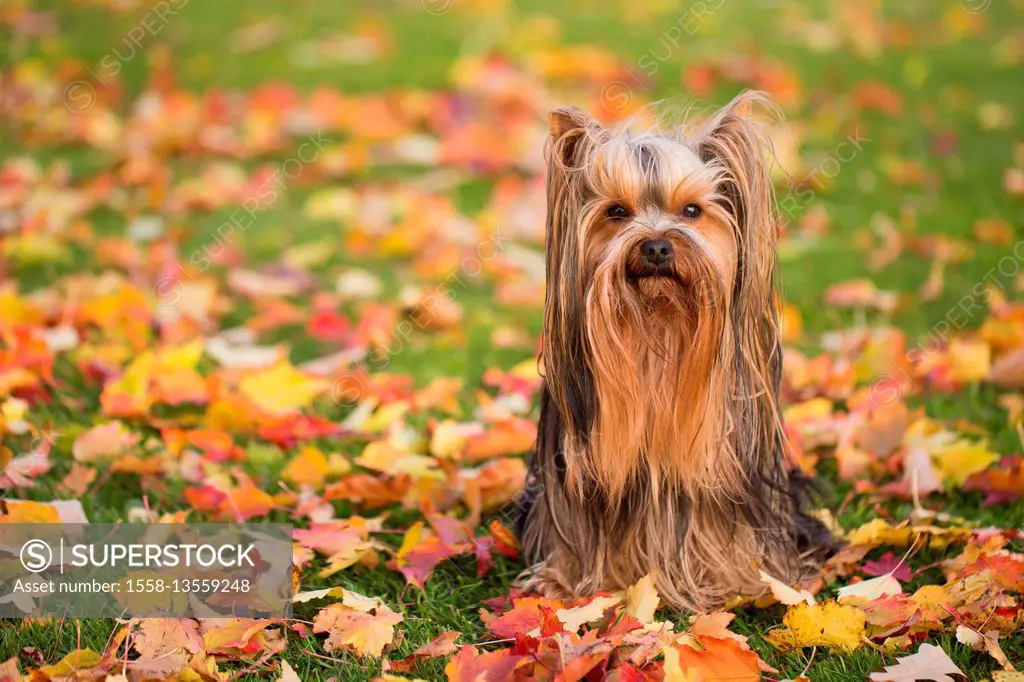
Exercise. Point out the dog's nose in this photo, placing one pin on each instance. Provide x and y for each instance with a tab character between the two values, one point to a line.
656	251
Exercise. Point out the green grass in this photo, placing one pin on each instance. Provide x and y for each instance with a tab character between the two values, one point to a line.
942	81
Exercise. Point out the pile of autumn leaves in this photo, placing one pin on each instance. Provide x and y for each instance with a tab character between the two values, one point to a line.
618	636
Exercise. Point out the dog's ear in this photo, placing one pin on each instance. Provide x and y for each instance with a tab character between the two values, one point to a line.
564	119
736	141
571	129
567	373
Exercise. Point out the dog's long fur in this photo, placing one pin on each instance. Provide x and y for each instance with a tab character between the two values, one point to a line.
660	445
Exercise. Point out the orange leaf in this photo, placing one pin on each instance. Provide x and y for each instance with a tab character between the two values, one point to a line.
469	665
512	437
365	633
707	659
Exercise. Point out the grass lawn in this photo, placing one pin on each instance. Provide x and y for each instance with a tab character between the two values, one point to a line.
903	119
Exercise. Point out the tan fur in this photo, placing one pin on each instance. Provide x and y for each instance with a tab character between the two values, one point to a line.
678	467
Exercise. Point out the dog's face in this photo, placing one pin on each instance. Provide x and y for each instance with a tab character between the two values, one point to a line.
656	233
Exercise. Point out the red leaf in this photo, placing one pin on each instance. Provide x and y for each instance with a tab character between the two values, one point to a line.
526	615
888	563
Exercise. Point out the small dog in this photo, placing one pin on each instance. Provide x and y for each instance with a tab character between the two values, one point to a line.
660	446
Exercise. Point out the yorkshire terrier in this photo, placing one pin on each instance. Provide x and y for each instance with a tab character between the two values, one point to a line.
660	444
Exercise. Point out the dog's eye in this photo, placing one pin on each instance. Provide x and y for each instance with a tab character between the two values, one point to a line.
618	211
692	211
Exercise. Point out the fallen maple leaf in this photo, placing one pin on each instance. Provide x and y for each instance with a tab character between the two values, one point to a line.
528	614
238	637
509	437
281	389
868	590
784	593
715	625
29	512
970	360
469	665
343	543
1001	483
421	551
929	663
104	442
829	624
987	642
963	459
288	673
576	617
440	646
78	661
246	500
888	563
642	599
707	659
159	637
309	467
359	624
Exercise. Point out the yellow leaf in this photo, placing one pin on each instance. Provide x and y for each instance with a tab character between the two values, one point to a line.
310	254
337	465
186	356
963	459
410	541
382	457
385	417
791	323
281	389
815	408
79	659
879	532
35	248
933	602
309	467
349	556
642	599
527	369
12	411
969	360
831	625
450	437
30	512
